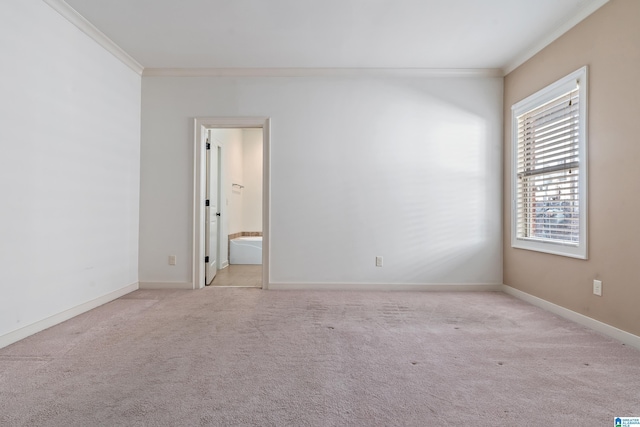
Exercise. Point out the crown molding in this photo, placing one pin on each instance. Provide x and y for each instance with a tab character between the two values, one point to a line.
553	36
322	72
64	9
71	15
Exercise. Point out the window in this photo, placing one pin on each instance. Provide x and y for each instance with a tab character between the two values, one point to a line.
549	170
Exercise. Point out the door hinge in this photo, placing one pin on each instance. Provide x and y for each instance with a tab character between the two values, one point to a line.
217	213
208	146
206	259
206	203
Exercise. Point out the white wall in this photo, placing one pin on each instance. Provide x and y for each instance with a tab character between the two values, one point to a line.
406	168
243	161
252	179
69	168
234	162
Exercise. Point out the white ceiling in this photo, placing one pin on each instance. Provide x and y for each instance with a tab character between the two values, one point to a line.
442	34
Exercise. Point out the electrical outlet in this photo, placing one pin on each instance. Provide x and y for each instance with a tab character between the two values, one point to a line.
597	287
172	260
378	261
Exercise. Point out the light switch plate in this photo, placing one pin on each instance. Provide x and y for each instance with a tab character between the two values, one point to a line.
597	287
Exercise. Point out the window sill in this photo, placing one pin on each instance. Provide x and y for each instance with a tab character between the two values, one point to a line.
571	251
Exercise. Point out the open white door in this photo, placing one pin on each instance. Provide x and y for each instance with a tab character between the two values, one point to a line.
212	213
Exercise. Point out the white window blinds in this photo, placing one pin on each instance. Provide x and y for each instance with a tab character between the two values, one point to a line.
548	169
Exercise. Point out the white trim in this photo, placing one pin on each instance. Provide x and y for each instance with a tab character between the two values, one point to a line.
551	37
43	324
603	328
201	124
224	264
546	94
71	15
266	201
166	285
322	72
439	287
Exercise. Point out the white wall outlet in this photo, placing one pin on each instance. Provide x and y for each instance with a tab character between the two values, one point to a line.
172	260
378	261
597	287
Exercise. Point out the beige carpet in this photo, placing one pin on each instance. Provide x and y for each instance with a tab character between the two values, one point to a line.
242	356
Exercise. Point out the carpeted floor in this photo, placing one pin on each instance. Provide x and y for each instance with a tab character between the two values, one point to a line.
243	356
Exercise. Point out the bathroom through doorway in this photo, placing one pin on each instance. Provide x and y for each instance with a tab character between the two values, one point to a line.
230	204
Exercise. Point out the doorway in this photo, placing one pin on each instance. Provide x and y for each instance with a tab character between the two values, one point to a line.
212	222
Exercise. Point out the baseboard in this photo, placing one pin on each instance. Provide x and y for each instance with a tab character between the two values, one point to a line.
224	264
166	285
43	324
603	328
466	287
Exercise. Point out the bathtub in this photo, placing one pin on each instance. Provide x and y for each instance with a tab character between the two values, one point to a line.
245	250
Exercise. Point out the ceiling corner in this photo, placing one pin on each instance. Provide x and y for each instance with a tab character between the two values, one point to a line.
554	35
71	15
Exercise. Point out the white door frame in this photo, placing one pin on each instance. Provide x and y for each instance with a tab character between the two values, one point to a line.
201	124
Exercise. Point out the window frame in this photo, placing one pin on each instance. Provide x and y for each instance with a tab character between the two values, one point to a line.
530	103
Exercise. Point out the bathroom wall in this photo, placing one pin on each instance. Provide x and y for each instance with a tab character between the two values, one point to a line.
235	166
252	180
244	163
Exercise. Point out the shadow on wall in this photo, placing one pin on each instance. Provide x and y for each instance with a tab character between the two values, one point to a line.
423	189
